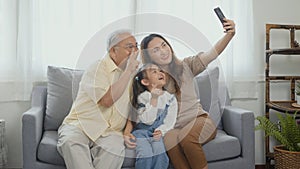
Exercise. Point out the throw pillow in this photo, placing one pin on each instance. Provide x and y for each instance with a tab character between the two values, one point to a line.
63	84
207	88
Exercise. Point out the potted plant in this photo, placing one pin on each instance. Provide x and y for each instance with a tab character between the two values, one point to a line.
287	133
297	91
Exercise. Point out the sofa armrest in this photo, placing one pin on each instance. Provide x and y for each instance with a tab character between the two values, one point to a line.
39	96
32	126
240	123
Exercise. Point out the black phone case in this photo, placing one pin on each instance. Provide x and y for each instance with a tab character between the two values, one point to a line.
219	14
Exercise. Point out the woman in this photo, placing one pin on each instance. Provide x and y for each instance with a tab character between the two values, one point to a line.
193	126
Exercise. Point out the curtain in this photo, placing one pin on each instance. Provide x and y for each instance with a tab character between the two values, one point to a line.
49	32
35	34
8	35
237	60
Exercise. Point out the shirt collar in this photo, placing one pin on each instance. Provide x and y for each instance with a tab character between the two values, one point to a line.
111	64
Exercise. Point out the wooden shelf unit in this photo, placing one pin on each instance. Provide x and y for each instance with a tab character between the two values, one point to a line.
280	106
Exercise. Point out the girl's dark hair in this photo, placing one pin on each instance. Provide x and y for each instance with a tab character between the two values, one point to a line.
137	86
175	67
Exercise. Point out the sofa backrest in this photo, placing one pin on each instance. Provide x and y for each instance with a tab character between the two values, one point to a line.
213	94
63	84
62	88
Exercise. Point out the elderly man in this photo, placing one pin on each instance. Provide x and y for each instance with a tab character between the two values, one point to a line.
91	136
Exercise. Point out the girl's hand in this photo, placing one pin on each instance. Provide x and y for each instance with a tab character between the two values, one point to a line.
157	134
155	92
129	140
229	26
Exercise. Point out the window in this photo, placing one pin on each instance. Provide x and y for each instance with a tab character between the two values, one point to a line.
36	34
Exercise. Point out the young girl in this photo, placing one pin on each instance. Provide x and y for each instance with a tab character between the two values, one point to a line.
156	112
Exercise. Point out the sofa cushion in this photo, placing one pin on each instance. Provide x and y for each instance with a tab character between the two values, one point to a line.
62	88
47	151
222	147
207	87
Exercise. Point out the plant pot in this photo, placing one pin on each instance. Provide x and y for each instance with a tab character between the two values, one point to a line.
285	159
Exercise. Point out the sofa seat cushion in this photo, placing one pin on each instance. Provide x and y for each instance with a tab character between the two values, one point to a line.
222	147
47	151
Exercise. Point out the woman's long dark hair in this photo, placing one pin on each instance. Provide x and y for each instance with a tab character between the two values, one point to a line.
175	67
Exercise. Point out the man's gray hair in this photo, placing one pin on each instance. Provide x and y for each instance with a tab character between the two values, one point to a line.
114	38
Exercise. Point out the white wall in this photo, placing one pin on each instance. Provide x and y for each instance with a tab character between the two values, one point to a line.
12	112
265	11
277	12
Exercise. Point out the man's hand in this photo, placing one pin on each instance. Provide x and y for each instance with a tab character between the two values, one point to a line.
129	140
157	134
132	62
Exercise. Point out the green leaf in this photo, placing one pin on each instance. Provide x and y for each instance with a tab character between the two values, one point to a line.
287	132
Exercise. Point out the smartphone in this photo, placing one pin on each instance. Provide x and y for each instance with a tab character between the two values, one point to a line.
220	15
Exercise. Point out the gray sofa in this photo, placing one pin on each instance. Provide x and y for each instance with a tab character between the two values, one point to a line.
233	147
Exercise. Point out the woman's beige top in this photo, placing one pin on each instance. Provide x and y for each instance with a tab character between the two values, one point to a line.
188	103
